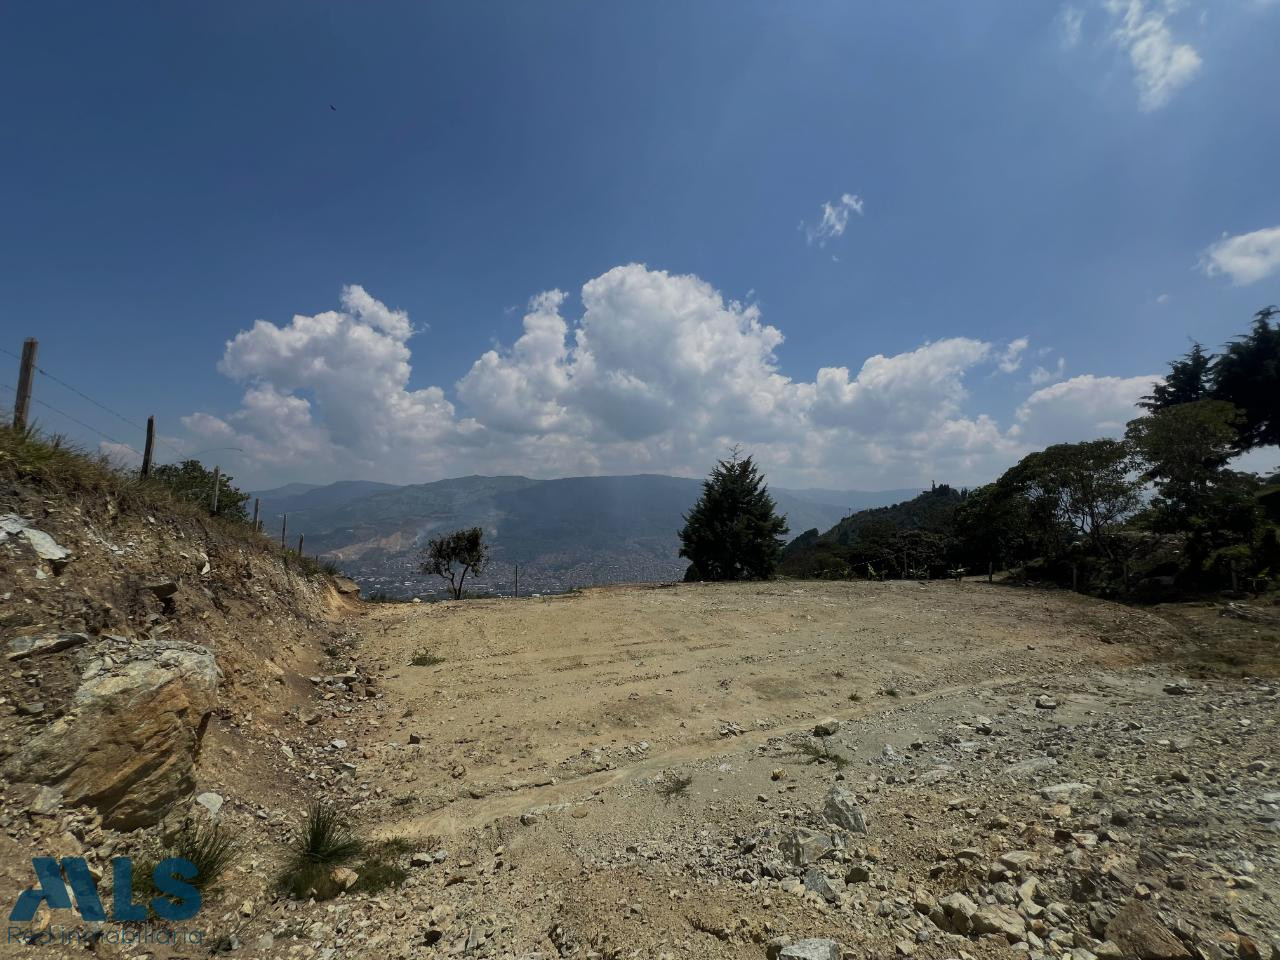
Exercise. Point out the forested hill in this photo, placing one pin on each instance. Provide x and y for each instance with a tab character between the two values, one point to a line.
903	537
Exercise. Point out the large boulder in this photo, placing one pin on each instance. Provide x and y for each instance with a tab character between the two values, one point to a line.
130	738
346	586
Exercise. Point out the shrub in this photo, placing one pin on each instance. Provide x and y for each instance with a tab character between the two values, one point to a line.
325	842
208	846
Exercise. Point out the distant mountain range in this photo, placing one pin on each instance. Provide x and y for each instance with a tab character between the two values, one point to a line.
572	532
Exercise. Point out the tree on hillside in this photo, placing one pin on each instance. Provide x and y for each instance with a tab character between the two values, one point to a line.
1188	380
1247	375
456	556
992	526
1186	449
1077	491
190	480
1185	446
733	532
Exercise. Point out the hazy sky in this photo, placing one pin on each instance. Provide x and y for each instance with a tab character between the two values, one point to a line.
878	244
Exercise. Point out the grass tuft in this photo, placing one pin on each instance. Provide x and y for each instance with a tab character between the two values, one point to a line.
818	753
208	846
325	842
54	465
425	658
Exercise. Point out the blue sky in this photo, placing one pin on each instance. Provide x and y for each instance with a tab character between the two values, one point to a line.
1095	178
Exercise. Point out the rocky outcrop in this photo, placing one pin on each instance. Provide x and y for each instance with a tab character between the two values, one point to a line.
129	741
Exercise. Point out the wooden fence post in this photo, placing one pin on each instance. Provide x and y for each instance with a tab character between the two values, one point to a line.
216	476
284	523
146	451
300	539
257	502
26	375
517	566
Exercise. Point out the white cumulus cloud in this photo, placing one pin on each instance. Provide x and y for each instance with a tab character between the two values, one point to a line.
1245	258
658	372
1082	408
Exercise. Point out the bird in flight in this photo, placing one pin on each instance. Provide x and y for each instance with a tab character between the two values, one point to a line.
333	108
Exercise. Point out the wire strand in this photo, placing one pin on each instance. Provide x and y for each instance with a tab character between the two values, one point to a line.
105	436
80	393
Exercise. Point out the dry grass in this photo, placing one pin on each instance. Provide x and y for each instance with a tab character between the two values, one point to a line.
53	465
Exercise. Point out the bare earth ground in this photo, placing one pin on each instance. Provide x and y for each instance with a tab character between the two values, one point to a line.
553	740
634	772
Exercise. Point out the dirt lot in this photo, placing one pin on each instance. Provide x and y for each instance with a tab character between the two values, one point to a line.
629	772
618	683
833	770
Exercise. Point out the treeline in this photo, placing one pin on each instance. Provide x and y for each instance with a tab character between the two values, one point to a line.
1160	509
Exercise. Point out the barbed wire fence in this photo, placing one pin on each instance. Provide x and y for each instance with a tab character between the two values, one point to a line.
25	394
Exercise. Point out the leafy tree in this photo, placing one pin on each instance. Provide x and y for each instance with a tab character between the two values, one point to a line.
993	525
1186	449
1247	374
455	556
1186	446
190	480
1077	491
732	532
1188	380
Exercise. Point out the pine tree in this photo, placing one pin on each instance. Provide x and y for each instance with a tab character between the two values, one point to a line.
1187	382
1247	375
733	532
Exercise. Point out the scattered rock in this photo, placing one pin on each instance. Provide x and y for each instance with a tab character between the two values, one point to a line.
810	950
162	589
211	802
45	547
842	810
1138	932
997	919
30	646
802	847
46	802
344	877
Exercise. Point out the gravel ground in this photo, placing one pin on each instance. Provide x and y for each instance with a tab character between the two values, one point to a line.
943	770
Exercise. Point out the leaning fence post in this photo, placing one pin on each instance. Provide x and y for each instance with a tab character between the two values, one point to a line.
146	451
216	484
26	374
